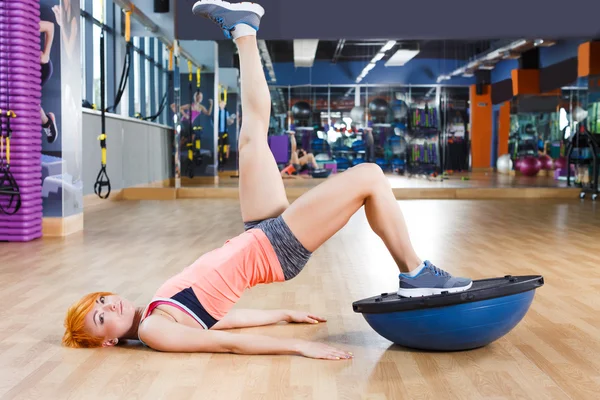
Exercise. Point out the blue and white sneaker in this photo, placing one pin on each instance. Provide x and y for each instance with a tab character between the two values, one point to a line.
228	15
430	280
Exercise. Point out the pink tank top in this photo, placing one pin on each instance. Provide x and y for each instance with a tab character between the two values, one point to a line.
220	277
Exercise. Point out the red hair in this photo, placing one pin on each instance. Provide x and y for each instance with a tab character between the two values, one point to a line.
75	333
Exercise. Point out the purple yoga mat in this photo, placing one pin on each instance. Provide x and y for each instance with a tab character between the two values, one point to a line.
21	238
19	10
17	141
22	74
30	184
27	156
24	196
20	95
20	21
24	189
24	214
18	217
31	103
33	9
27	175
7	232
22	111
22	123
21	27
20	63
15	85
18	51
26	170
21	5
26	137
24	162
31	3
24	203
21	39
24	148
16	33
21	224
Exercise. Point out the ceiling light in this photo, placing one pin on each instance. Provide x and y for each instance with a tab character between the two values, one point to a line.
401	57
378	57
388	46
305	51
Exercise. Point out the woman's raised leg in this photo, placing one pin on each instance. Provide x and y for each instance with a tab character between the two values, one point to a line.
262	194
323	211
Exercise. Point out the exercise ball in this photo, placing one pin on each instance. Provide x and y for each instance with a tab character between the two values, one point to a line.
452	321
517	164
358	115
301	111
504	164
546	162
378	109
560	163
530	166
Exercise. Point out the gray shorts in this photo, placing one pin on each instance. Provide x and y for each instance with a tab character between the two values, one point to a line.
291	253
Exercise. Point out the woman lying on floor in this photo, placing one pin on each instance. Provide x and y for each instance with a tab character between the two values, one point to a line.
189	312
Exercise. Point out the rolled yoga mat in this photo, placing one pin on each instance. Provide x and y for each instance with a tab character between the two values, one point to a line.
29	176
24	140
20	91
20	51
20	224
21	238
28	189
14	63
24	214
8	232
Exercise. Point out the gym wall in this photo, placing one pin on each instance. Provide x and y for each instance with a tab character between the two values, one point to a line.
138	152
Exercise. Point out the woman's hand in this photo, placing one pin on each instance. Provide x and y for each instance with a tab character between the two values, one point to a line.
302	317
322	351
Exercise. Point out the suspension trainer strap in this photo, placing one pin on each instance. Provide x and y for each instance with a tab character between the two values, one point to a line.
8	184
102	180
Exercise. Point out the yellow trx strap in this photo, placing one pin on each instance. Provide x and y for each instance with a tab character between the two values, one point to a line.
127	26
198	77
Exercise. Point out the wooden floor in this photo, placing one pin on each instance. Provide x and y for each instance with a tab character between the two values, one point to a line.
132	247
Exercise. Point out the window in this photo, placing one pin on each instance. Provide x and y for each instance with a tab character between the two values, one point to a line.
96	56
143	93
136	73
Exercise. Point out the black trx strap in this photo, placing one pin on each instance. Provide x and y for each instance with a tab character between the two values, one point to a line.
126	65
102	181
8	185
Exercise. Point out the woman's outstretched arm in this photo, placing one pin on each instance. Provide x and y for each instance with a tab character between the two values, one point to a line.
249	318
165	335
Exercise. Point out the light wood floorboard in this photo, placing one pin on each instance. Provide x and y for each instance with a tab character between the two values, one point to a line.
132	247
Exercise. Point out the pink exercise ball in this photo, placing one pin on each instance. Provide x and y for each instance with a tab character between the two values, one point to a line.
560	163
517	164
530	166
547	162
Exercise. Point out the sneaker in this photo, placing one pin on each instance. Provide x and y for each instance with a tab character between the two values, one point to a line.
431	280
228	15
50	128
